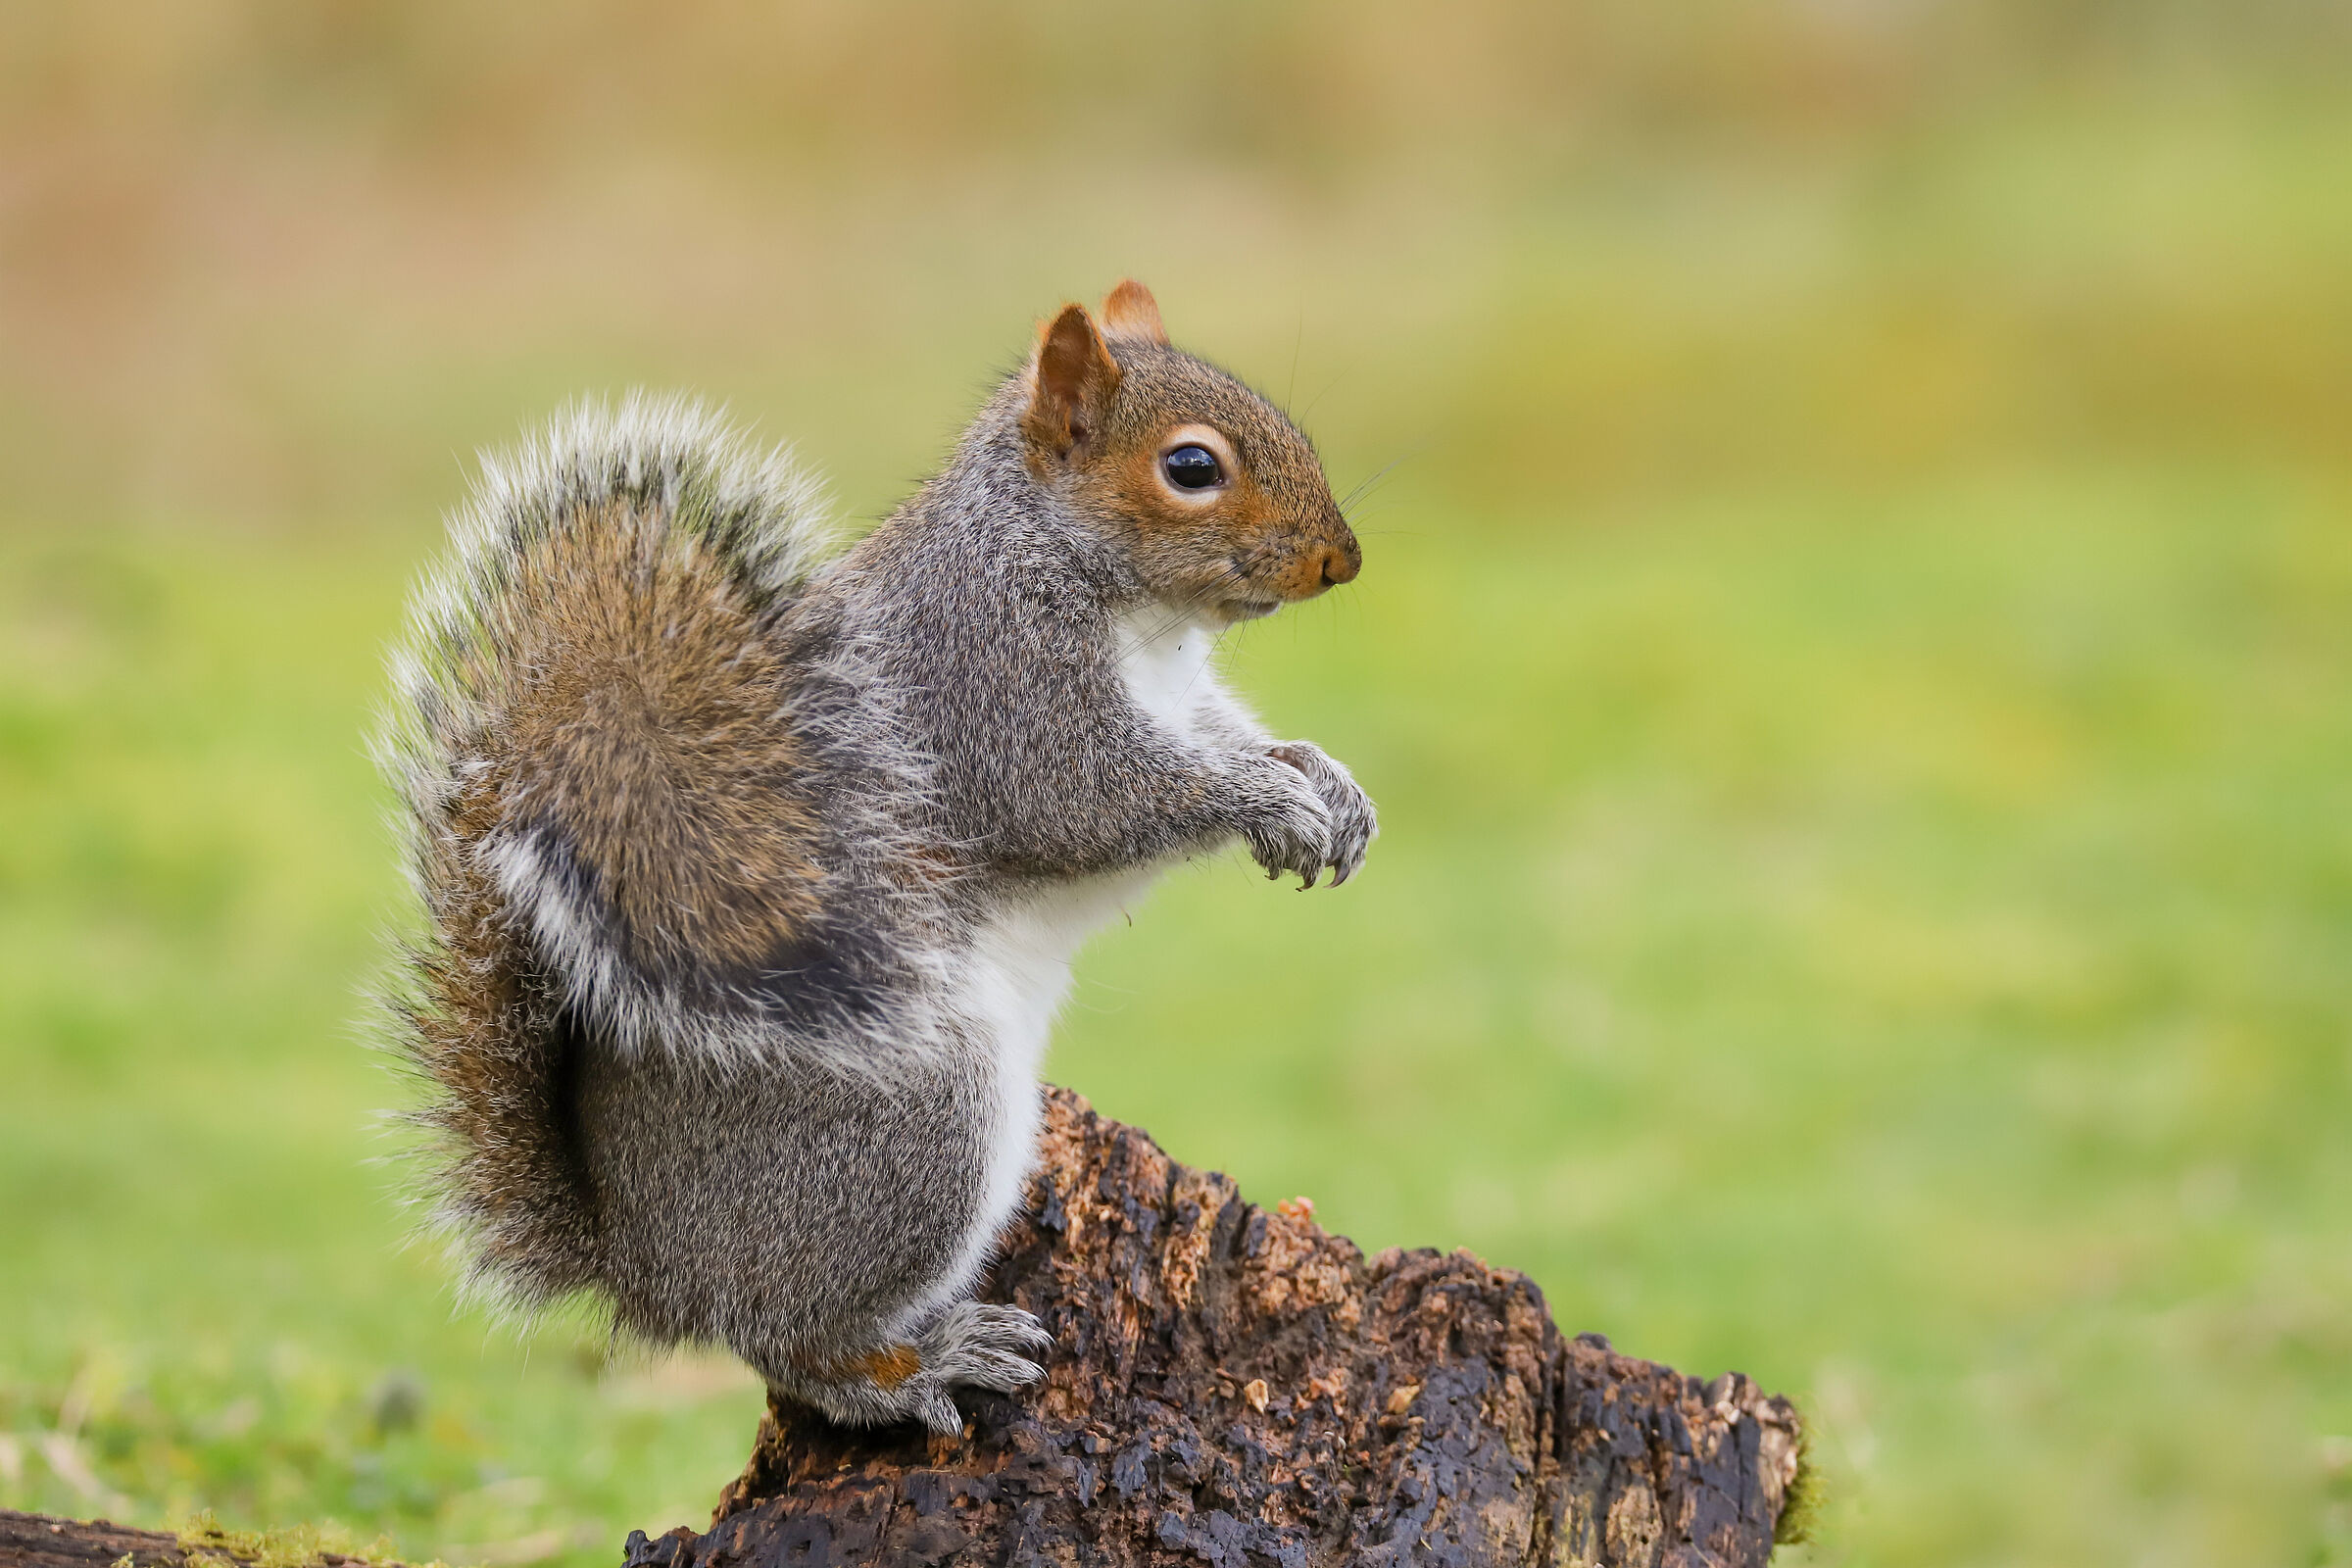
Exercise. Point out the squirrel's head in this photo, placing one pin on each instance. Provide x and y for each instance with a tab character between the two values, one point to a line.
1218	498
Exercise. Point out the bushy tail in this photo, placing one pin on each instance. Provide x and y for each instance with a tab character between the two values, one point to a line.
597	778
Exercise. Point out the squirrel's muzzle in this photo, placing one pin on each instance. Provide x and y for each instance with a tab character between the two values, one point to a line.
1341	563
1323	565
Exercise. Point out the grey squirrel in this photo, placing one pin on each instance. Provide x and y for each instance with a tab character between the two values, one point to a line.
752	870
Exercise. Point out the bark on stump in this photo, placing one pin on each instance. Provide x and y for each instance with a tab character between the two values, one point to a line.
1236	1387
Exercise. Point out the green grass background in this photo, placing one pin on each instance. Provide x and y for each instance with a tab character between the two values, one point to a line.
1854	664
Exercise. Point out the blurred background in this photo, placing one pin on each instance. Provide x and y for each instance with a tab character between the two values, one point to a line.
1852	656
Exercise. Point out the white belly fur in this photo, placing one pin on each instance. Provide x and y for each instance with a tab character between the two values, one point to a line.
1020	962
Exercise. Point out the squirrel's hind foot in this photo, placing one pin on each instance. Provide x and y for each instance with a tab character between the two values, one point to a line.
972	1345
982	1344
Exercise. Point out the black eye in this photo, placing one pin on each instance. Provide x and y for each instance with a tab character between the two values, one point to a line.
1192	468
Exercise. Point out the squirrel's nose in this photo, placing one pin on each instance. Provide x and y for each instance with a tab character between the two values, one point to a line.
1341	564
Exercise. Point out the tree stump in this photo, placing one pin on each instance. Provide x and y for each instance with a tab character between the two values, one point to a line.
1236	1387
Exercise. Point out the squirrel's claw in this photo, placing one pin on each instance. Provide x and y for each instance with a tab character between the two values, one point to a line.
1030	1334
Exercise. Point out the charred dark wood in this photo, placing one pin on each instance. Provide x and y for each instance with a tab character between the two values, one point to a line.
1234	1385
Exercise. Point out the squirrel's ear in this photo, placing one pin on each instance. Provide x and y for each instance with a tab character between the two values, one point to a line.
1070	383
1130	310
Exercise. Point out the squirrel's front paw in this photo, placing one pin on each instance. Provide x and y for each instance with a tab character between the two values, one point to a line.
1285	822
1354	824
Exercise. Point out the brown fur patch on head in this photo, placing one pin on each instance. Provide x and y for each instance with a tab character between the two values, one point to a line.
1266	533
1128	311
640	716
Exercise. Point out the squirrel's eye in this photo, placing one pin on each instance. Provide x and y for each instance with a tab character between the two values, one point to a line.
1190	468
